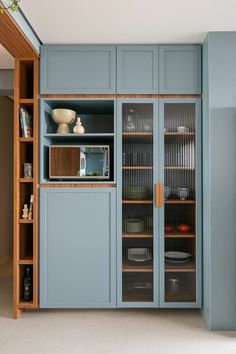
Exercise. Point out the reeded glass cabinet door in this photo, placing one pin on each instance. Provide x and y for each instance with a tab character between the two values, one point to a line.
180	218
138	258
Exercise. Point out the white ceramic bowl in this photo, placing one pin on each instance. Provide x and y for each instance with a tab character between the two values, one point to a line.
63	117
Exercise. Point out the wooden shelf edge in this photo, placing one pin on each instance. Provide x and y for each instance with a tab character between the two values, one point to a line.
25	221
26	262
26	140
124	201
26	305
179	201
175	235
136	235
26	101
26	180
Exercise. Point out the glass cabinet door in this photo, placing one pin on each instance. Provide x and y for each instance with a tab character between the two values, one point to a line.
137	202
180	215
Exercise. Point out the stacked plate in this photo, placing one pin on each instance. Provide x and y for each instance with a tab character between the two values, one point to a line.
135	192
175	257
133	225
139	255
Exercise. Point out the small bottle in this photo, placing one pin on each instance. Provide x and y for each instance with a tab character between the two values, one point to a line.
27	292
31	207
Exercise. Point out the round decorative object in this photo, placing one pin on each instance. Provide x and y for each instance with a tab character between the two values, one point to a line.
63	117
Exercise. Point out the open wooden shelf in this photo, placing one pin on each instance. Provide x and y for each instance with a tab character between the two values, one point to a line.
25	151
26	101
136	235
127	267
26	261
177	201
26	140
186	267
26	180
26	305
26	221
133	201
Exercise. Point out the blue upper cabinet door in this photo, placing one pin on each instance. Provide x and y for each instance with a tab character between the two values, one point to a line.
77	247
137	69
180	69
72	69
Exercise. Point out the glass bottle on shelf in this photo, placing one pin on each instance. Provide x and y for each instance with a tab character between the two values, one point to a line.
28	286
129	123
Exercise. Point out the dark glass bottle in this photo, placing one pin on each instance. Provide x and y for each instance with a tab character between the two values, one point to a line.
28	292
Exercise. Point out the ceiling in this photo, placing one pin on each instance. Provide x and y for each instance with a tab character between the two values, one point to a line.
128	21
6	60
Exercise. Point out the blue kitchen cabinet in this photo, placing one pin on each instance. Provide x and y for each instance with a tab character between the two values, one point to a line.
137	69
159	203
77	247
180	69
74	69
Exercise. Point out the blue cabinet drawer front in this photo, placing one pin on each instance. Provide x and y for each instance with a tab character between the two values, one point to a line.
78	69
77	248
180	69
137	69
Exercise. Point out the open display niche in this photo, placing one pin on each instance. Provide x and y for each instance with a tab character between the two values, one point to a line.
25	151
97	118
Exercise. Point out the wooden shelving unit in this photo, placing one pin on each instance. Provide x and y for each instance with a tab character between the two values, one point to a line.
133	268
25	150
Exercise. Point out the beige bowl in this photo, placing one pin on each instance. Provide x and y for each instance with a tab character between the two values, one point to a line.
63	117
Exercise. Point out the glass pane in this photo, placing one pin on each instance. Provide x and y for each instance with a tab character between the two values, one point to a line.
179	193
137	203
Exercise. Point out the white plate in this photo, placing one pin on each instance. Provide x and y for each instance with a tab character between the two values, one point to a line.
177	255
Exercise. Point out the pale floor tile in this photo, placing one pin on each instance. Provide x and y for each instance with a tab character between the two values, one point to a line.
107	331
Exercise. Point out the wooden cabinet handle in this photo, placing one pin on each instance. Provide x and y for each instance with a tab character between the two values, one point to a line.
159	194
161	191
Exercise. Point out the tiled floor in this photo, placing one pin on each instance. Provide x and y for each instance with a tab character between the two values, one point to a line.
106	331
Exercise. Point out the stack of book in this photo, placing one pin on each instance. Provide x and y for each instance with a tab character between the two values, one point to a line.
26	123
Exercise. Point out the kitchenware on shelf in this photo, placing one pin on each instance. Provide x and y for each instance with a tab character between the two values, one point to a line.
183	228
183	193
169	228
78	128
139	255
134	225
167	192
129	123
135	192
176	257
63	117
182	129
147	126
173	284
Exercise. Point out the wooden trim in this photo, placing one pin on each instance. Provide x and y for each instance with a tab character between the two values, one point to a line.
118	96
137	167
141	235
77	185
179	201
133	201
14	40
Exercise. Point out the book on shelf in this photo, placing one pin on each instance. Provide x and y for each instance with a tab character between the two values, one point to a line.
26	123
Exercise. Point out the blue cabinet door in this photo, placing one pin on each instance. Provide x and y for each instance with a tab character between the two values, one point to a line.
180	226
69	69
77	247
180	69
137	69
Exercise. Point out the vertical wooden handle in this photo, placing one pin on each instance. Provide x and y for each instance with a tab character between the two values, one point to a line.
161	192
159	195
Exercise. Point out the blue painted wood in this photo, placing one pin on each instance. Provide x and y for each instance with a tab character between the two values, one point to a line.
137	69
77	247
219	141
180	69
198	210
69	69
156	291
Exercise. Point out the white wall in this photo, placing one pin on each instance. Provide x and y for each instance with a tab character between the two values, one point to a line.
6	177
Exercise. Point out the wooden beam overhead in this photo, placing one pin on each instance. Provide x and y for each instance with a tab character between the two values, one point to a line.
14	40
